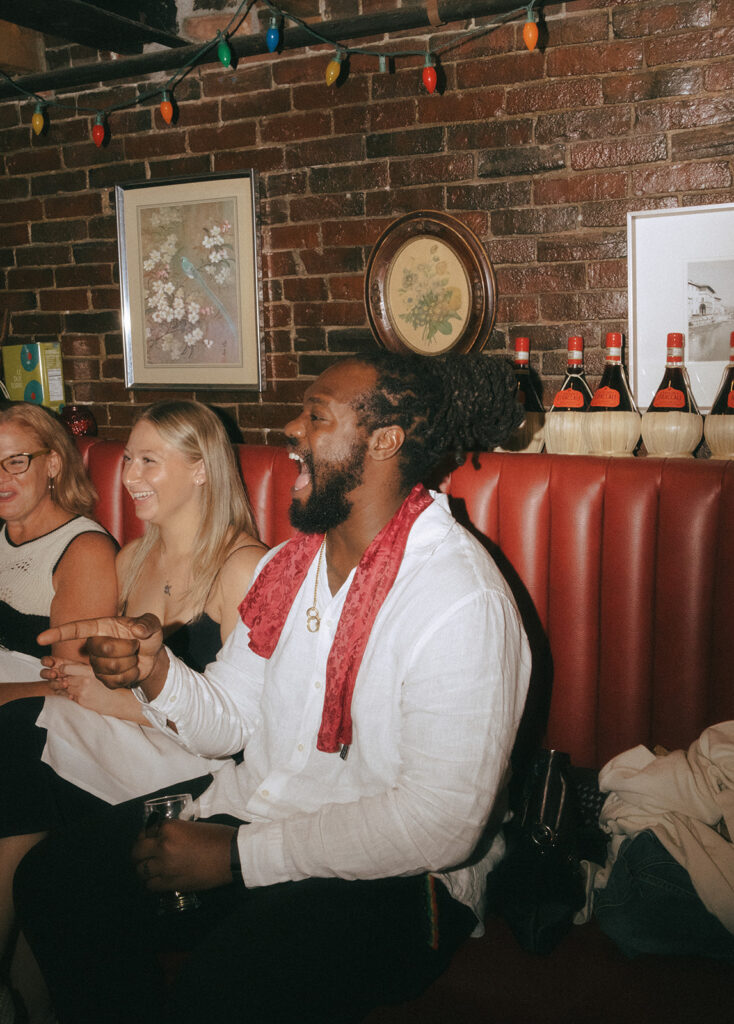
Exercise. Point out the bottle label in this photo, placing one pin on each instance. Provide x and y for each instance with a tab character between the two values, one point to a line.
605	398
568	399
669	398
730	400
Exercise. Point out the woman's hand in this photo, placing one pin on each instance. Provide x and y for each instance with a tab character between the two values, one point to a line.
123	652
75	680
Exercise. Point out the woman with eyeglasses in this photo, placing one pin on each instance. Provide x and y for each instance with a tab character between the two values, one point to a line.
56	563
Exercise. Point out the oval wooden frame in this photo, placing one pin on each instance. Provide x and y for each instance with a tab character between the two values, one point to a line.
470	253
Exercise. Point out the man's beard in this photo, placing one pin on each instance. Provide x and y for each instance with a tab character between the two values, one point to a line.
328	505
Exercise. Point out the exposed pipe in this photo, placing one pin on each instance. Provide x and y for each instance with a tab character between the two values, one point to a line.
400	20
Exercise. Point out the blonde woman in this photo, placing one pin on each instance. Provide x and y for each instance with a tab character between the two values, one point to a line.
191	568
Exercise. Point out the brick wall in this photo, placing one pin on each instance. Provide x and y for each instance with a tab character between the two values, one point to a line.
625	107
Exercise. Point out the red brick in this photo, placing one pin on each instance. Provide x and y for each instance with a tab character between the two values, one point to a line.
279	264
556	277
81	369
513	250
64	299
179	167
305	289
594	123
533	222
351	120
594	59
559	306
245	79
681	178
329	313
350	232
580	28
660	19
346	150
277	315
30	277
316	208
613	213
512	309
154	144
262	159
430	169
476	105
105	298
294	236
33	162
261	104
490	134
295	127
17	300
85	205
354	91
619	153
332	261
20	212
390	203
690	47
581	92
355	178
520	160
607	274
488	196
81	345
719	77
209	112
400	114
578	188
508	69
346	286
585	247
233	135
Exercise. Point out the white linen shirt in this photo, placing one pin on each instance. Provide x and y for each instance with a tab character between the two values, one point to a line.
436	705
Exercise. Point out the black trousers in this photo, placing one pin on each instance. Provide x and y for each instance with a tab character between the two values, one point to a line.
306	951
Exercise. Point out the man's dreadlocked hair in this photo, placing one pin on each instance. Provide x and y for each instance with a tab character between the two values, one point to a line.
447	405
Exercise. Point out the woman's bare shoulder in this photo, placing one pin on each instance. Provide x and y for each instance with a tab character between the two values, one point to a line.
242	561
125	556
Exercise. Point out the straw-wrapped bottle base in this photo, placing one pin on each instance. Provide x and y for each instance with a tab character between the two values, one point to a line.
672	433
719	434
612	432
565	433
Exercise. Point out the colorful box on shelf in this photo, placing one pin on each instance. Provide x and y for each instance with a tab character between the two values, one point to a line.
33	373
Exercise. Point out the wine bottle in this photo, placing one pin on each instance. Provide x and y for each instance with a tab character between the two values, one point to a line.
718	427
529	435
612	423
564	424
672	424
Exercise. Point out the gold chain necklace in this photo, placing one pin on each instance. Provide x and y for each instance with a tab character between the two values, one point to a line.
313	619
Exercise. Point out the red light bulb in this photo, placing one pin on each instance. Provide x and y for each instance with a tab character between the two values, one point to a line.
429	77
98	132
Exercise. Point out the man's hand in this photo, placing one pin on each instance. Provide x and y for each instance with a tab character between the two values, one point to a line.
123	652
183	856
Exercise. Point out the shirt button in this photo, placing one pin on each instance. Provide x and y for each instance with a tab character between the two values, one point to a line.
266	792
300	746
317	686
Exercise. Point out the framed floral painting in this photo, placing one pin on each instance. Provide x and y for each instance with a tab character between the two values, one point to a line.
430	286
190	282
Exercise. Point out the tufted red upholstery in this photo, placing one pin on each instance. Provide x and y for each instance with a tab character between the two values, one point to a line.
624	565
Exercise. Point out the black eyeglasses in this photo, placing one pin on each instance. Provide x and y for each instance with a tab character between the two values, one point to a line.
17	464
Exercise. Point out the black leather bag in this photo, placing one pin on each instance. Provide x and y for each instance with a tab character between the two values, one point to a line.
539	885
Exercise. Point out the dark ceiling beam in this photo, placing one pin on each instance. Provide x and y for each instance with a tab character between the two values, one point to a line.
294	38
84	23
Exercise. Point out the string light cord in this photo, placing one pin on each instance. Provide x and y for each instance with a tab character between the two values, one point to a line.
342	51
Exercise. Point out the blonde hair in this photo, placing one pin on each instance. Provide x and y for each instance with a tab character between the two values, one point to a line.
195	431
72	489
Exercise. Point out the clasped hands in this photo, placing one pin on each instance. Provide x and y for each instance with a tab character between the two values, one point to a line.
125	652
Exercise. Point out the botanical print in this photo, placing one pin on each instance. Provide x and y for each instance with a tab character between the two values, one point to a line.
429	295
189	262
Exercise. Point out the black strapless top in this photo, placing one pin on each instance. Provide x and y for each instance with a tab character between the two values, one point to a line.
197	643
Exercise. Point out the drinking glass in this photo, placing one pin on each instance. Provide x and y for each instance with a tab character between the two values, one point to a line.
166	808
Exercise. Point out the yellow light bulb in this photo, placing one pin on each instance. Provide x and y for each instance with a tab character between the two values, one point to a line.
37	122
333	71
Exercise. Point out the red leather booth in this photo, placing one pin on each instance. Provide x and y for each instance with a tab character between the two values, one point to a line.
624	571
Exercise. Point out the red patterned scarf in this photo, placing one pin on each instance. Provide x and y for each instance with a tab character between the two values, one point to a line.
269	600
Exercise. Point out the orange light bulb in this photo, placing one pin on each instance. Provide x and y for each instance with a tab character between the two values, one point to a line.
166	109
530	34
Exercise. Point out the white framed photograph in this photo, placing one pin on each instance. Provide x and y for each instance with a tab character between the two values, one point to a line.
681	278
190	282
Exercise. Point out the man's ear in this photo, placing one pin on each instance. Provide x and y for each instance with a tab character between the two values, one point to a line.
386	442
